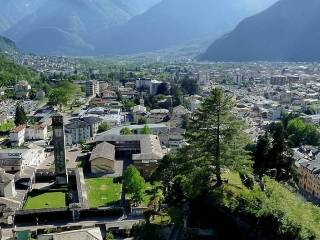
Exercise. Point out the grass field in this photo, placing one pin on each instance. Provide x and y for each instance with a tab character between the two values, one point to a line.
46	200
102	192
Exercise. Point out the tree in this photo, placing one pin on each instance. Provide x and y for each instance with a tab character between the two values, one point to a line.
142	120
109	236
185	121
163	89
176	95
310	111
134	184
20	115
280	153
146	130
63	94
261	156
215	135
103	127
189	86
312	135
296	131
126	131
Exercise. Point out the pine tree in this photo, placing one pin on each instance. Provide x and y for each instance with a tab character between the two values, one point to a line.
20	115
215	135
280	153
261	156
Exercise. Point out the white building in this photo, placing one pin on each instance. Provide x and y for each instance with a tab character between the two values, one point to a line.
7	187
36	132
17	135
15	160
81	129
22	89
92	88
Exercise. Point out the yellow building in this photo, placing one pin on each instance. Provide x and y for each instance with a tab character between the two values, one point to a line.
102	159
309	179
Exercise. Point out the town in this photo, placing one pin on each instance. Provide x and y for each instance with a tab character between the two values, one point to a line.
68	148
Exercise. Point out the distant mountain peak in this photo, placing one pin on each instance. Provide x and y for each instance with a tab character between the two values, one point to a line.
287	31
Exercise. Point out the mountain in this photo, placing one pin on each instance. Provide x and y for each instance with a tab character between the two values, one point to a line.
68	26
287	31
12	11
173	22
7	45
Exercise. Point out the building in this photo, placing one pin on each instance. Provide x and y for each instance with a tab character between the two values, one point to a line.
7	187
312	119
158	115
81	234
92	88
144	151
278	80
154	85
18	159
102	159
82	129
22	89
36	132
59	150
309	179
17	135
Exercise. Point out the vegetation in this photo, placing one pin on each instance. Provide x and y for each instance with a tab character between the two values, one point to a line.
63	94
10	72
142	120
299	133
216	137
109	236
103	127
126	131
46	200
134	184
102	192
20	115
189	86
7	126
146	130
275	210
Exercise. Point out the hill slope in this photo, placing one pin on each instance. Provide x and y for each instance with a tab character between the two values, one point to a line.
69	26
173	22
289	30
12	11
7	45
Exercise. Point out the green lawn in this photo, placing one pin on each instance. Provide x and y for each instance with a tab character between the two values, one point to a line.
102	192
46	200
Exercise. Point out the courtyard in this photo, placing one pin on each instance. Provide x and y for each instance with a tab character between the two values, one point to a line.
46	200
102	192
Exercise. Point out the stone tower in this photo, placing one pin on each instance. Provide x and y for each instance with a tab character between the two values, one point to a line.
59	150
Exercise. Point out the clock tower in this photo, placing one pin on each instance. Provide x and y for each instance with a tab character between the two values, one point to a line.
59	150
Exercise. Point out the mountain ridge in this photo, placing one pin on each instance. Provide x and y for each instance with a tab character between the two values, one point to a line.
287	31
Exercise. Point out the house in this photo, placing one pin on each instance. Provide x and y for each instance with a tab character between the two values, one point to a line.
102	159
158	115
22	89
92	88
17	135
138	111
81	234
81	129
15	160
7	186
309	179
144	151
36	132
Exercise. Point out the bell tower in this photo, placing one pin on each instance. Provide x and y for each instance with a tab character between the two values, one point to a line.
59	150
